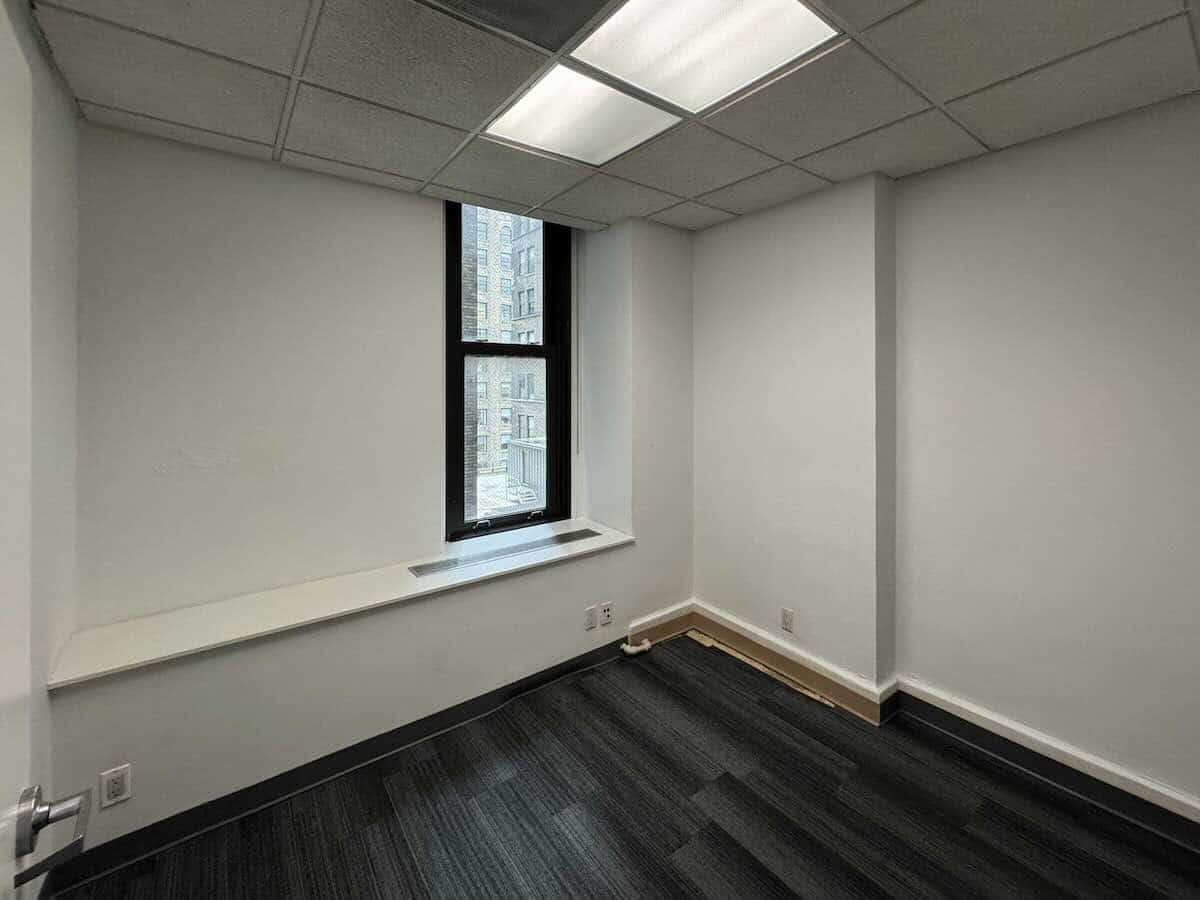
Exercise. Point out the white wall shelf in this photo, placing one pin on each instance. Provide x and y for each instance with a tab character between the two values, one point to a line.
121	646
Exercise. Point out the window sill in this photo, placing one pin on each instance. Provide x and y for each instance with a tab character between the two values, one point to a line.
122	646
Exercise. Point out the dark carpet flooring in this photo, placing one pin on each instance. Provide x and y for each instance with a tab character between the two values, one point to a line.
684	773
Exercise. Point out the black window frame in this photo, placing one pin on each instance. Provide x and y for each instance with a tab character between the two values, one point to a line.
555	349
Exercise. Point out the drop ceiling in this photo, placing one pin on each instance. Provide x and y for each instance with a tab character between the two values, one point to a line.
420	96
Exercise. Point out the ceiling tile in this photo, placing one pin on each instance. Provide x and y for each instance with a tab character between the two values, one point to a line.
768	189
953	47
689	161
172	132
354	173
610	200
110	66
834	97
263	32
569	221
691	216
519	176
354	131
547	23
862	13
1135	71
925	141
442	192
408	56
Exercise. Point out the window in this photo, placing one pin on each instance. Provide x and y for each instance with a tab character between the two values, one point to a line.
526	427
526	386
505	257
506	234
526	303
516	475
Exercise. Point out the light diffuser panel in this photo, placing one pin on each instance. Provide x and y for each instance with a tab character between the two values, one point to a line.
694	52
576	116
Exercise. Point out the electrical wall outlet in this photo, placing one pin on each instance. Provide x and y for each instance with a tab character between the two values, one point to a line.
787	620
605	613
589	618
116	785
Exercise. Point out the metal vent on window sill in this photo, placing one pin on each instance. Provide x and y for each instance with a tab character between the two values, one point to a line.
445	565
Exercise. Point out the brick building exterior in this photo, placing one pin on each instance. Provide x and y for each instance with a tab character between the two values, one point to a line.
505	402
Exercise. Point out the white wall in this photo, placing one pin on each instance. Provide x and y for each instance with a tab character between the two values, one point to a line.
37	404
603	470
284	326
261	376
16	411
786	420
55	252
663	398
1048	388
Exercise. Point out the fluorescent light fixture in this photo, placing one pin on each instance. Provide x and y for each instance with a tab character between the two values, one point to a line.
694	52
576	116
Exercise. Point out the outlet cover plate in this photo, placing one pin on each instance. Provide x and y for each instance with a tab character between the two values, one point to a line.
116	785
787	620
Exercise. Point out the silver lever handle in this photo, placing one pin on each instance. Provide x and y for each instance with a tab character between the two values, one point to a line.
33	815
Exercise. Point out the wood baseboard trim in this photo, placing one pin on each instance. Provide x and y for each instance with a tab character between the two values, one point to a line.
672	628
836	693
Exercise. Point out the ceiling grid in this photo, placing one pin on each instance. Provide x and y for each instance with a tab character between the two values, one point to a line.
401	93
289	105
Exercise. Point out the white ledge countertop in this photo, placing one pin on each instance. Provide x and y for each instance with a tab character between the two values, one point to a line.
92	653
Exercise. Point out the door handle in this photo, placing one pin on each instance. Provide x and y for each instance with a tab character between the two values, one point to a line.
33	814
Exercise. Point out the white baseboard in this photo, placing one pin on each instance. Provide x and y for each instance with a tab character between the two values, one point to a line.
1158	793
659	616
1150	789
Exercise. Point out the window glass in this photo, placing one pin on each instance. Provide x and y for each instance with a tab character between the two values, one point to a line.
507	472
501	254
